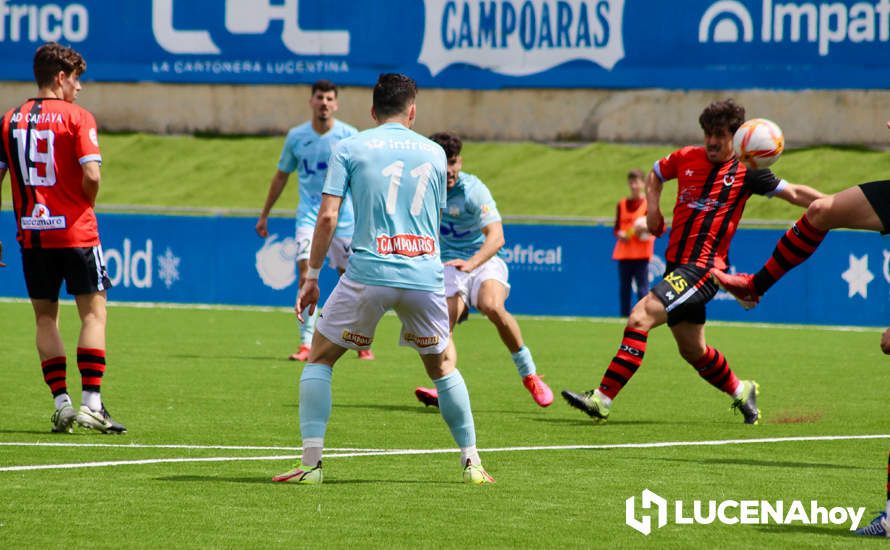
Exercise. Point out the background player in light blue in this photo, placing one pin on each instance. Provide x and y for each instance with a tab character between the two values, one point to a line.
307	150
472	235
398	179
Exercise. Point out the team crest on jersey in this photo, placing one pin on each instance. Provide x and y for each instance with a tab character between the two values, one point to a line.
728	180
42	220
453	211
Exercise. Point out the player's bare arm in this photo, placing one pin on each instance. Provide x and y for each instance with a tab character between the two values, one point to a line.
92	176
328	214
276	187
494	240
654	217
799	195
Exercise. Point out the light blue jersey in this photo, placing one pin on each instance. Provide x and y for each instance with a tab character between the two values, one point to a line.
470	207
398	183
308	152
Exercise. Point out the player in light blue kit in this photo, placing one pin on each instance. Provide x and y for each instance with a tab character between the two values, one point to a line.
398	179
472	235
307	150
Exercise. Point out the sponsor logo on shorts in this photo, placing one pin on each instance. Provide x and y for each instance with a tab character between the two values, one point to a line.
41	220
406	245
677	282
421	341
357	339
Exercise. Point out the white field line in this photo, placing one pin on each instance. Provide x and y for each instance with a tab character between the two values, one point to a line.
169	446
407	452
567	319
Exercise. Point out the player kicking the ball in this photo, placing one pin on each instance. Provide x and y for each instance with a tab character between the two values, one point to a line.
399	179
307	150
471	236
713	187
865	206
51	149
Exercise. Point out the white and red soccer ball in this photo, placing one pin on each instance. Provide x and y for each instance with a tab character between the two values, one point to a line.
758	143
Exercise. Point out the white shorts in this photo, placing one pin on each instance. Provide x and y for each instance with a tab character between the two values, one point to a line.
350	316
338	253
466	285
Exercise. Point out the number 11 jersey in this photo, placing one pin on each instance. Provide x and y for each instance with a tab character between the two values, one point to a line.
398	183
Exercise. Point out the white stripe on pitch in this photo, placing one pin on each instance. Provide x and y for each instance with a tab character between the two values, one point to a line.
406	452
168	446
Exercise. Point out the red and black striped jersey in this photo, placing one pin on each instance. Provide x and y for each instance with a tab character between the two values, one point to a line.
43	144
710	201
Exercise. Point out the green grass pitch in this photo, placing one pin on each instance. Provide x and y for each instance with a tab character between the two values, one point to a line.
525	178
218	377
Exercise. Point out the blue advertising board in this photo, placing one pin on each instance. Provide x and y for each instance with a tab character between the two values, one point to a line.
554	270
478	44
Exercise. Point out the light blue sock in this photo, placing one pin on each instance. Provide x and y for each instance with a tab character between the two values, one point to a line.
315	403
307	329
524	362
454	404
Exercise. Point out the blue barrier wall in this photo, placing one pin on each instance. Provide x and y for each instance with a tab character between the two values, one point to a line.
692	44
554	270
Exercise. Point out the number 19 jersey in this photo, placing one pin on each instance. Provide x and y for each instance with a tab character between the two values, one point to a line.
398	183
43	144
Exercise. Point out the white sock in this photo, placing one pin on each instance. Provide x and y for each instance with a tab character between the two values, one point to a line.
739	390
312	447
470	453
607	401
92	399
62	400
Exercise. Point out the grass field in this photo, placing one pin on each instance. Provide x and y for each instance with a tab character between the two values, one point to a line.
218	378
525	178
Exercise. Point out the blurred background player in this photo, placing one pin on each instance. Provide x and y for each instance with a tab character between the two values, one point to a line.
472	235
51	149
713	187
307	150
634	245
399	178
865	206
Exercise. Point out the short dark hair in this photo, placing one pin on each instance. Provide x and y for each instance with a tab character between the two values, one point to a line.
722	115
52	58
450	142
324	85
393	93
635	174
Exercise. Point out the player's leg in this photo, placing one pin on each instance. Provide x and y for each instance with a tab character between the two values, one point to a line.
457	297
625	277
351	315
87	280
43	279
641	277
865	206
307	328
647	314
425	327
489	293
712	365
338	258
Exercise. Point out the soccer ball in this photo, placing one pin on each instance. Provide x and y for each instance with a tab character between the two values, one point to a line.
758	143
640	229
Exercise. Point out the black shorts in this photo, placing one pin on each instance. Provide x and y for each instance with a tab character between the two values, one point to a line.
684	291
82	269
878	195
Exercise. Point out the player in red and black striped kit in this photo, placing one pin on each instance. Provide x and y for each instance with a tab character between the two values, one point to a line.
713	187
50	148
